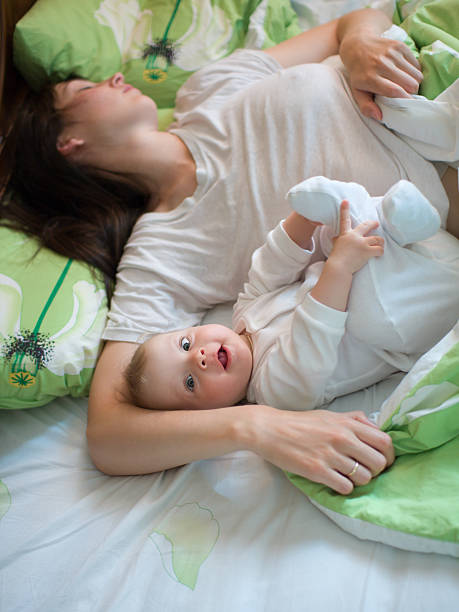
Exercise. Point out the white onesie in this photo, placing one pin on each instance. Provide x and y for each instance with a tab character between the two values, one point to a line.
305	353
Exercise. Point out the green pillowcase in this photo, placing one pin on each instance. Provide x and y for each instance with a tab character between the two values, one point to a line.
96	38
413	505
52	317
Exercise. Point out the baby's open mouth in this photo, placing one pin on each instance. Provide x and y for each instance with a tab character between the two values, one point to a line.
222	357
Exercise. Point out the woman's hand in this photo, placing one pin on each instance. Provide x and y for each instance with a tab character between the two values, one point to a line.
321	445
376	65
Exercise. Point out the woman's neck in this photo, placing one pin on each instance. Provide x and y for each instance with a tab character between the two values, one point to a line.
170	172
158	162
178	177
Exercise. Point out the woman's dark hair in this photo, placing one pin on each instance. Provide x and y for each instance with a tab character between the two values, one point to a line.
77	211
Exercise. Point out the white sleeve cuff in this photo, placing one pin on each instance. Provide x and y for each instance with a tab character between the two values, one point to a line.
329	317
290	248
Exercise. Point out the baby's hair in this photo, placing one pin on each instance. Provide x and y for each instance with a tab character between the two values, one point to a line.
134	375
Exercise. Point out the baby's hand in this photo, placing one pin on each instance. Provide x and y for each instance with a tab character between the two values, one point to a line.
353	247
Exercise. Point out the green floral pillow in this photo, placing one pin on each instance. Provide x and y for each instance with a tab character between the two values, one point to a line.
52	317
157	44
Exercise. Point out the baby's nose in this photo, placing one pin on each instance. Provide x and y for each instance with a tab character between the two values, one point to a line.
201	358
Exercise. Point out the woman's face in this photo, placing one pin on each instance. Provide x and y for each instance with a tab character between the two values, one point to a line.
105	110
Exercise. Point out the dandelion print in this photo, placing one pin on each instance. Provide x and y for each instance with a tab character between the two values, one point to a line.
34	348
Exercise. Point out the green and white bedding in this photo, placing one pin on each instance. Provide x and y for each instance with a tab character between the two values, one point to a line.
414	504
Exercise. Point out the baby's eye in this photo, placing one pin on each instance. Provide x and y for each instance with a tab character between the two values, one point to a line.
189	383
185	344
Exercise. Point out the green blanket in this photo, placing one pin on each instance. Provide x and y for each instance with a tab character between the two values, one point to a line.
415	503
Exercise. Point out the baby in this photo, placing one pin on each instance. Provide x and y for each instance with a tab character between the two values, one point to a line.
301	337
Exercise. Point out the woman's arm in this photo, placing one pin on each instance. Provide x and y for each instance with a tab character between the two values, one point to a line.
311	46
375	65
319	445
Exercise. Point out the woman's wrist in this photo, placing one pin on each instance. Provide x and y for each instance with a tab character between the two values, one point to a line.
355	31
361	24
246	427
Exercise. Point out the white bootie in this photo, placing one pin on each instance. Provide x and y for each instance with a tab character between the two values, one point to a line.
406	215
319	199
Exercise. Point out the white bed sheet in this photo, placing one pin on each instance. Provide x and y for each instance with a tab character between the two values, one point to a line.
244	538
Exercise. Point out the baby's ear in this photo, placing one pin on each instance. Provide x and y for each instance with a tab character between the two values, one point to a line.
68	146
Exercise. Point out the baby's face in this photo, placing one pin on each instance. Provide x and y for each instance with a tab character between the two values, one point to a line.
196	368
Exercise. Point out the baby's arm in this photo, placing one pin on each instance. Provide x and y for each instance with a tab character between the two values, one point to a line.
351	251
281	260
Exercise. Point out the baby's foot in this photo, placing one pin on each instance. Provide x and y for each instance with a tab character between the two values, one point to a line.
319	199
406	215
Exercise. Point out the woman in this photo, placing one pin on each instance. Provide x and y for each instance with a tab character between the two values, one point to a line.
235	151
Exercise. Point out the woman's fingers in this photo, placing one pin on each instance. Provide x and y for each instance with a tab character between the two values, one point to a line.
360	459
375	450
323	446
397	77
348	474
336	481
381	66
407	62
366	103
356	472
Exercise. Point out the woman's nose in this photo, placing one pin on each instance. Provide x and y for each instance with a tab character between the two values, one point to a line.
201	358
117	79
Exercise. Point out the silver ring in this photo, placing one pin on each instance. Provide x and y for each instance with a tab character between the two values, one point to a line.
354	469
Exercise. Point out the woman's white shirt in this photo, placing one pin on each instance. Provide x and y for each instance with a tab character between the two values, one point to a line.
254	131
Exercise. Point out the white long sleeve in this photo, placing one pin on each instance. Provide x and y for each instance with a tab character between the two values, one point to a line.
295	348
278	263
294	372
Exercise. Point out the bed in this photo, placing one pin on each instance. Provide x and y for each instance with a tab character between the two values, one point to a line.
230	533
